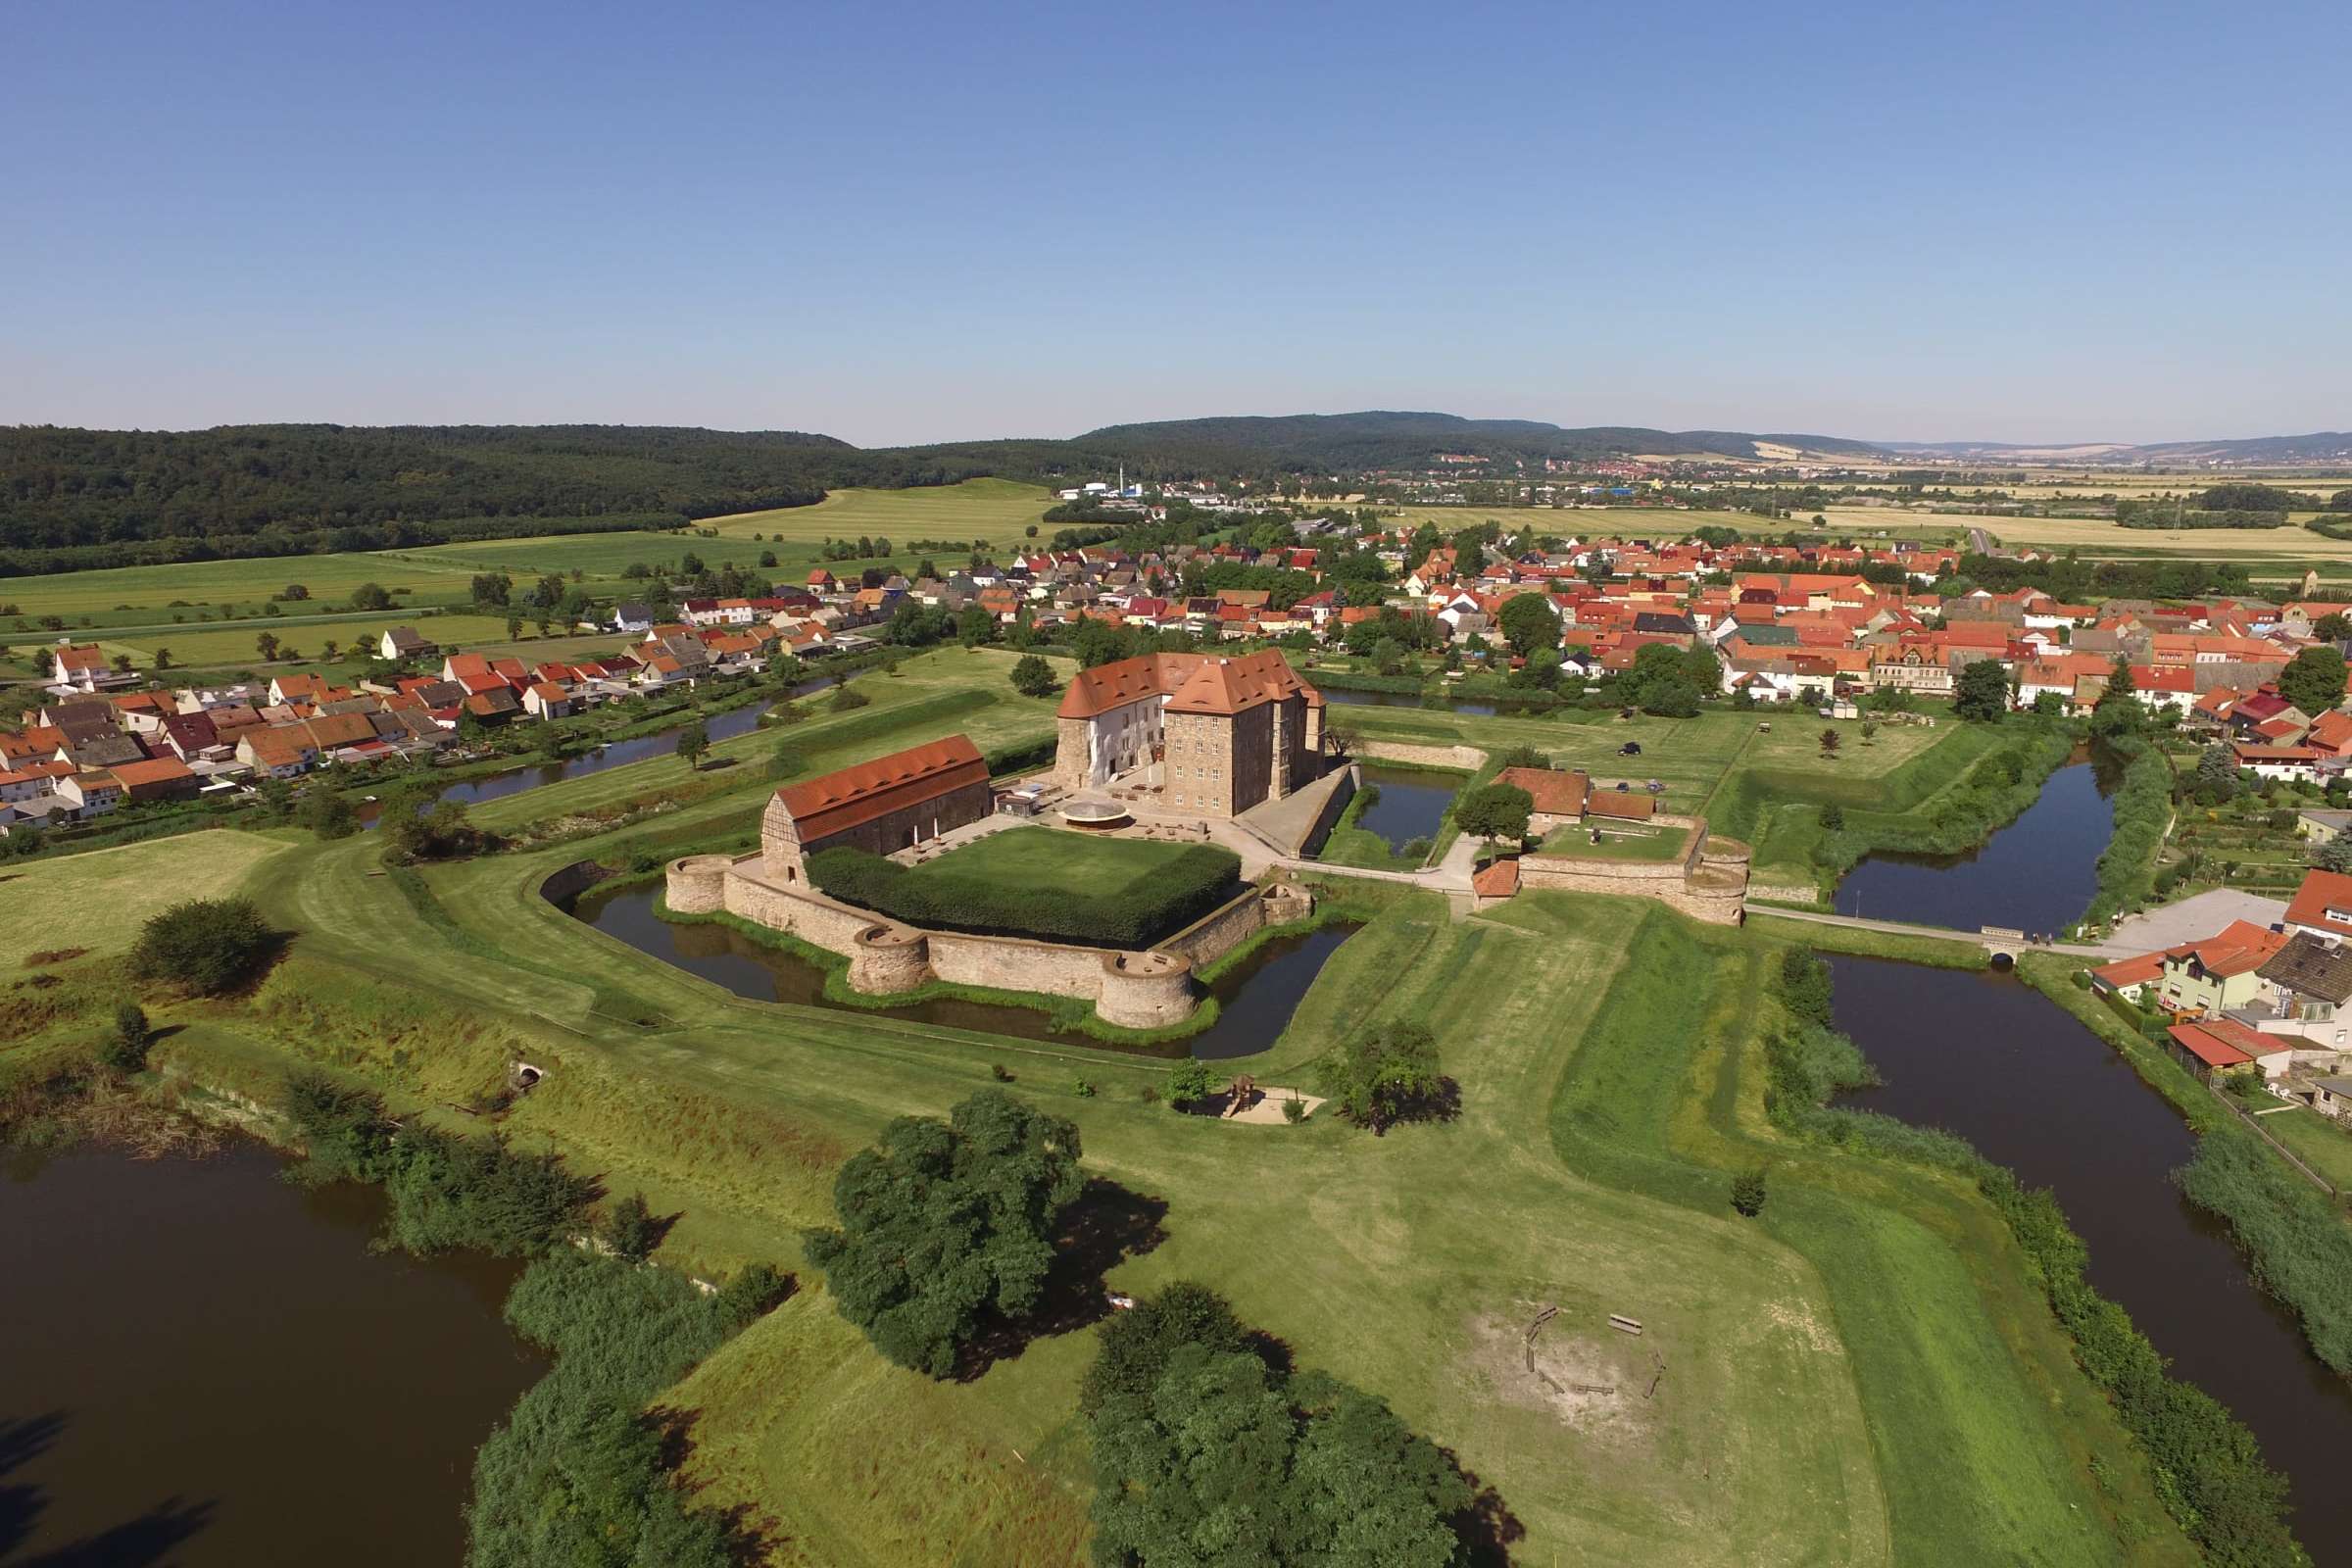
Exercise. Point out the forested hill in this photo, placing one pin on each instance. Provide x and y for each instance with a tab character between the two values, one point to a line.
1381	439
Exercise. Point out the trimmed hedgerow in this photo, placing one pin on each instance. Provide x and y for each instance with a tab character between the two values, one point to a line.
1185	885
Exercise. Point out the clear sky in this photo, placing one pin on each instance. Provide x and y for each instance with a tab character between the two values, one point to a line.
915	223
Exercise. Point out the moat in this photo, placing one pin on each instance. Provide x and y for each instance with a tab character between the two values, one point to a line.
1255	996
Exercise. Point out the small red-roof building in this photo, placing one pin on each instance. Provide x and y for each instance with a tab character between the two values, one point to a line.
2322	905
890	803
2214	1047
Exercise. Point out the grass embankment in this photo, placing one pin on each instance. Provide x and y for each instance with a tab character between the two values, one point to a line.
2144	816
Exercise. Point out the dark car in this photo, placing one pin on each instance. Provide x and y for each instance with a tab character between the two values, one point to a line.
1630	749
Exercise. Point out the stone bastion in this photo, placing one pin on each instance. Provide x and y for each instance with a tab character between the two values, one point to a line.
1147	989
1709	882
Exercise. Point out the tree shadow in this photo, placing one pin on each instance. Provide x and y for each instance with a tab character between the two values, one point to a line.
1442	1104
753	1537
1106	1225
1486	1529
149	1538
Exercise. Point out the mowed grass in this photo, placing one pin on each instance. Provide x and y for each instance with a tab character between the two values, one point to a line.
1062	861
1575	843
996	510
97	900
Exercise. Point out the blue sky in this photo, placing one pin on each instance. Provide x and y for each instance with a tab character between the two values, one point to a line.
910	222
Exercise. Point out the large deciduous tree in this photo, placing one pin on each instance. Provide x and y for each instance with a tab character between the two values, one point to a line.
1529	622
1032	677
2314	680
1203	1454
206	945
945	1219
1493	812
1386	1074
1983	692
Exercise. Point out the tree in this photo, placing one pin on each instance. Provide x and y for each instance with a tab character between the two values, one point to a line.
2335	855
1525	756
2314	680
121	663
295	590
2336	626
2118	710
1983	691
2217	773
326	813
1097	642
1530	621
1032	677
629	1229
490	589
513	628
1385	1074
944	1219
163	658
125	1048
266	645
693	741
205	945
1833	817
975	626
1870	732
1747	1193
1189	1081
1830	742
1203	1454
1493	812
371	595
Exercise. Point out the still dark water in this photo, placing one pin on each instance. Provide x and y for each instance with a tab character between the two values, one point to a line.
619	754
1255	997
1352	698
216	1372
1988	1057
2039	873
1411	806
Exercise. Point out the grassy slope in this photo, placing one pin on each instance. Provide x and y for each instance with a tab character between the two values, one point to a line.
96	900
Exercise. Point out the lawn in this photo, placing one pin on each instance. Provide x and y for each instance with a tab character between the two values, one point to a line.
1575	842
96	900
1060	884
2321	1142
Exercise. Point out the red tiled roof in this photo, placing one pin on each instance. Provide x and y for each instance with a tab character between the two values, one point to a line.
1500	879
1556	793
837	802
1191	683
2321	892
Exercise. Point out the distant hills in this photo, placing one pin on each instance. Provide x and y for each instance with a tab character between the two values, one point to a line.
73	498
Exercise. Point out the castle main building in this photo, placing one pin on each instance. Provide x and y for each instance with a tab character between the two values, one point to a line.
1214	735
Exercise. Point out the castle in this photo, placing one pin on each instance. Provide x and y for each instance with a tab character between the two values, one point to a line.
890	803
1214	735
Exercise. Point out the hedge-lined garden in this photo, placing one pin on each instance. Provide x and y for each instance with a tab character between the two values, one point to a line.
1042	882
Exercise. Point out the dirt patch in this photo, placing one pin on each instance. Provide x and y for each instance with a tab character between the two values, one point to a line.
1810	1330
1582	1372
53	956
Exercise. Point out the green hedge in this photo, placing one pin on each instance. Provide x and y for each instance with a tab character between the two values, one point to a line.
1195	880
2143	810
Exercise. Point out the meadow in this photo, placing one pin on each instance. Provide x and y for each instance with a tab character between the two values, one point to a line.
1865	1375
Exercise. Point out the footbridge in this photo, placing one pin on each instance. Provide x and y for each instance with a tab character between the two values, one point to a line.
2002	941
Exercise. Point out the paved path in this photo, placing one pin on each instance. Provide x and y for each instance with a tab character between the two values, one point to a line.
2103	949
2202	916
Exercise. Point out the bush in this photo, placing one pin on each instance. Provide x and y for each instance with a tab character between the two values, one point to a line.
1189	1081
1747	1193
125	1048
629	1230
1387	1074
847	699
205	946
1293	1111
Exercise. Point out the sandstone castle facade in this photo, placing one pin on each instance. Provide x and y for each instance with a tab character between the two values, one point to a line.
1214	735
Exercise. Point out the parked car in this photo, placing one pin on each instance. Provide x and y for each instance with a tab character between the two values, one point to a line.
1630	749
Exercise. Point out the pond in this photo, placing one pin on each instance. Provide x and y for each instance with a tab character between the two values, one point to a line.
1355	699
1256	996
216	1371
1412	803
2039	873
1988	1057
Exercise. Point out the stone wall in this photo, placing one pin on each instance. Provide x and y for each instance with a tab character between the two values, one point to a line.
782	850
1148	990
1228	927
1468	758
1708	883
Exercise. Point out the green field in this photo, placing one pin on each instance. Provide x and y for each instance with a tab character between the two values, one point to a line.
998	510
1575	843
95	902
1865	1375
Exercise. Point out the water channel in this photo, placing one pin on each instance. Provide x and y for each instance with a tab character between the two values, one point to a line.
1256	996
218	1372
662	742
1412	803
1987	1057
2039	873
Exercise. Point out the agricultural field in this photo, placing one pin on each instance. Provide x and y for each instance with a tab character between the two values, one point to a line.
93	902
996	510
